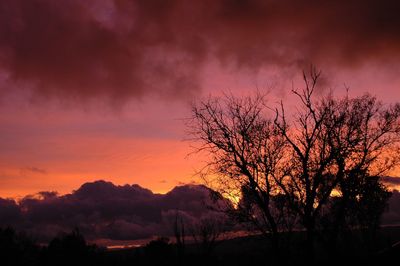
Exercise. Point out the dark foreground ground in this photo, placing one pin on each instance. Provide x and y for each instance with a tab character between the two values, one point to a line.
71	249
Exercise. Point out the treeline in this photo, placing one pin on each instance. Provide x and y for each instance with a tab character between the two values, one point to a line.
20	249
17	248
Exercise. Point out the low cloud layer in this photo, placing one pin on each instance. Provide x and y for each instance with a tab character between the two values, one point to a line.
123	49
102	210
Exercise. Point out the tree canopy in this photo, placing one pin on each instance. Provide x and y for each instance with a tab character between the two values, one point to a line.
288	170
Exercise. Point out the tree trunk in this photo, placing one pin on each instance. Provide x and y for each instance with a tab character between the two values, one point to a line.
275	241
338	223
274	238
275	256
310	237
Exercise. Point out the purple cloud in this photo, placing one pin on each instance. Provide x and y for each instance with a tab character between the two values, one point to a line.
104	210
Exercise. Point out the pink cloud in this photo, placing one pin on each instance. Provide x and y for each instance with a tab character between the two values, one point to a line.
118	50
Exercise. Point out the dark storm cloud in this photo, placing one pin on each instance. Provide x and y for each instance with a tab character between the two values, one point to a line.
119	49
10	212
103	210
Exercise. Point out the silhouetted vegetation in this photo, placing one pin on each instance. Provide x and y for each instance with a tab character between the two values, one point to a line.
72	249
318	169
17	248
69	249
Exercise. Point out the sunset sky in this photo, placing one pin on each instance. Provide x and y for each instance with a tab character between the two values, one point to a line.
99	89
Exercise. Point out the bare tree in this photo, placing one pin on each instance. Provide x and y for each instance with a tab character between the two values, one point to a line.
288	168
334	144
205	233
179	233
245	148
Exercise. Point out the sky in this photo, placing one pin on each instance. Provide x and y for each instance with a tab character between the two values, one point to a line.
100	89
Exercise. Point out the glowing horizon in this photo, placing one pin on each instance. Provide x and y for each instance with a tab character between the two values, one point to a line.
99	90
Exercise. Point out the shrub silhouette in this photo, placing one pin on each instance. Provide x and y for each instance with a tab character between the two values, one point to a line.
69	249
17	248
159	251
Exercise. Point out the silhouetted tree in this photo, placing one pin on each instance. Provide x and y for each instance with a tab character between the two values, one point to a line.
69	249
364	138
336	144
328	145
361	209
245	149
17	248
205	233
159	251
179	233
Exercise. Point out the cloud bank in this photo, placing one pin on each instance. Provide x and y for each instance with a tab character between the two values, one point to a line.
124	49
102	210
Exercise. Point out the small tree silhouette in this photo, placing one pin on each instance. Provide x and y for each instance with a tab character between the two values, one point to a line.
205	233
179	233
17	248
69	249
159	251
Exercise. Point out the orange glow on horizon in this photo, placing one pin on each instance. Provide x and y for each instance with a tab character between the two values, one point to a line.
158	165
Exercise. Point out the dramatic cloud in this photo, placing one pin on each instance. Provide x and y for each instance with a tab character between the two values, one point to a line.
119	49
102	210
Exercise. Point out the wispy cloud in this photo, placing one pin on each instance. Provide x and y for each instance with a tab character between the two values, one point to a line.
32	169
